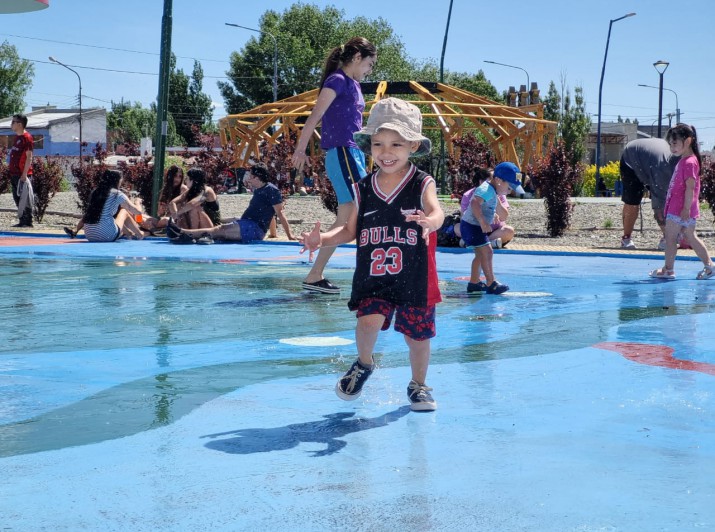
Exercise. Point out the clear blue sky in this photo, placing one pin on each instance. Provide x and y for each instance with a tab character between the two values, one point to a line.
551	40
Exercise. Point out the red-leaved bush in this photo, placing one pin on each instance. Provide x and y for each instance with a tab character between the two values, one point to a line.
87	174
47	175
555	177
707	183
470	154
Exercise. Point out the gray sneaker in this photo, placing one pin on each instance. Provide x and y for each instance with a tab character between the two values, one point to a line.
627	243
420	398
349	387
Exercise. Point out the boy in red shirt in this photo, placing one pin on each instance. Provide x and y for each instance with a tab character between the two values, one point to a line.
20	168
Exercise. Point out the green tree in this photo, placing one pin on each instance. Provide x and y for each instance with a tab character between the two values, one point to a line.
188	105
552	104
573	121
304	35
15	80
128	122
575	126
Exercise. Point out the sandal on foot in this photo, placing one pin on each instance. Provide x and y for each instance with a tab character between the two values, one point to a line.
497	288
70	232
662	273
706	273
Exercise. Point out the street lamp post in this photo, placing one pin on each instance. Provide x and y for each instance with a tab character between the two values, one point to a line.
677	105
660	67
528	83
599	181
443	177
275	55
80	103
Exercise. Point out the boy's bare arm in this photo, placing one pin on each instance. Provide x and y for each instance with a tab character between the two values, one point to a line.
340	235
476	206
283	220
432	218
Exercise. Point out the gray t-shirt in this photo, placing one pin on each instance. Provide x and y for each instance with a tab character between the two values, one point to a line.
653	164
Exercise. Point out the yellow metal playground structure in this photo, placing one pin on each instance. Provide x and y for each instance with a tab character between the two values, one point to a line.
516	134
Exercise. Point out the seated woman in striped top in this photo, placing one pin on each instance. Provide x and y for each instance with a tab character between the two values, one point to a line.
110	213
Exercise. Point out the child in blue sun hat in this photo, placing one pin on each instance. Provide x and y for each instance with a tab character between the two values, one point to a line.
476	225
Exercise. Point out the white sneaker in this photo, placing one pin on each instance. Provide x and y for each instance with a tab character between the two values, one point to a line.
627	243
496	244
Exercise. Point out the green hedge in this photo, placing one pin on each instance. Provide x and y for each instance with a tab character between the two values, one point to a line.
609	173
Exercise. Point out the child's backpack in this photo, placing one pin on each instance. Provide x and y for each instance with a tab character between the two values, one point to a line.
445	234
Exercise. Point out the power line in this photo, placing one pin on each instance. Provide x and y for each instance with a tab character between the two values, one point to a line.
117	71
107	47
126	50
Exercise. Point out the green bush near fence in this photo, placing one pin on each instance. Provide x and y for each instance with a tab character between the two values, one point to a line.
609	173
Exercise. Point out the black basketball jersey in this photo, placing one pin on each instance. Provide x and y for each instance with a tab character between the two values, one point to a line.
394	262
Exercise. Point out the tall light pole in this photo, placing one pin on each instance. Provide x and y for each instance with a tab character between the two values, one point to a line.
80	103
599	181
677	105
528	83
162	104
443	177
275	56
660	67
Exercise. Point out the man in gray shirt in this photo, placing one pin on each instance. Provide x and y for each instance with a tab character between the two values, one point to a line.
645	163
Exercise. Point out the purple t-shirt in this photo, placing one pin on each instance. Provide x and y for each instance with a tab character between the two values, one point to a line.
344	116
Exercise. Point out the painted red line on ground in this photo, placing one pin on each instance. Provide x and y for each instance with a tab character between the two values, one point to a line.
655	355
34	241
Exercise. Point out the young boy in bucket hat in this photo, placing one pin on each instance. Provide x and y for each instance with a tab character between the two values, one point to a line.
476	225
395	274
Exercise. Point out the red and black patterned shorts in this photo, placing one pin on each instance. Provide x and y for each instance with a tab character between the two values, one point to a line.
414	322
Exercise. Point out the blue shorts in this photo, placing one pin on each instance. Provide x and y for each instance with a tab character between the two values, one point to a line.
414	322
344	166
473	235
250	232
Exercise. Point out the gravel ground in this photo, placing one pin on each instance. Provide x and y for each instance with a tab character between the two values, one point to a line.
595	223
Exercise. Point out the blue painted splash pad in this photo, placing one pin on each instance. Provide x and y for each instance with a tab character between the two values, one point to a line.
147	387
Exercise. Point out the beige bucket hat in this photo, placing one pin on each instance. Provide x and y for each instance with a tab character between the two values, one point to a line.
396	115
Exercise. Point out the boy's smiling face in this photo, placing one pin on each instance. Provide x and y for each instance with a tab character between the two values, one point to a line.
390	151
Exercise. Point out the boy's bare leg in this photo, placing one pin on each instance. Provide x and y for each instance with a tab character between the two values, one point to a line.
366	333
476	271
229	231
419	358
486	254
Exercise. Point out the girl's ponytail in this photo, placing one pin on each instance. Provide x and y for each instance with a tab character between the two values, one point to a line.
344	53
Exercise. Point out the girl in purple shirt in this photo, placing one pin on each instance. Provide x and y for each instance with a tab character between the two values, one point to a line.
340	105
682	202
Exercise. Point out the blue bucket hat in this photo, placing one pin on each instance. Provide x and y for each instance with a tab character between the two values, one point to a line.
510	173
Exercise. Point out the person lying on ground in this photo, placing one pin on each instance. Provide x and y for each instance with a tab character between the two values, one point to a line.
254	222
